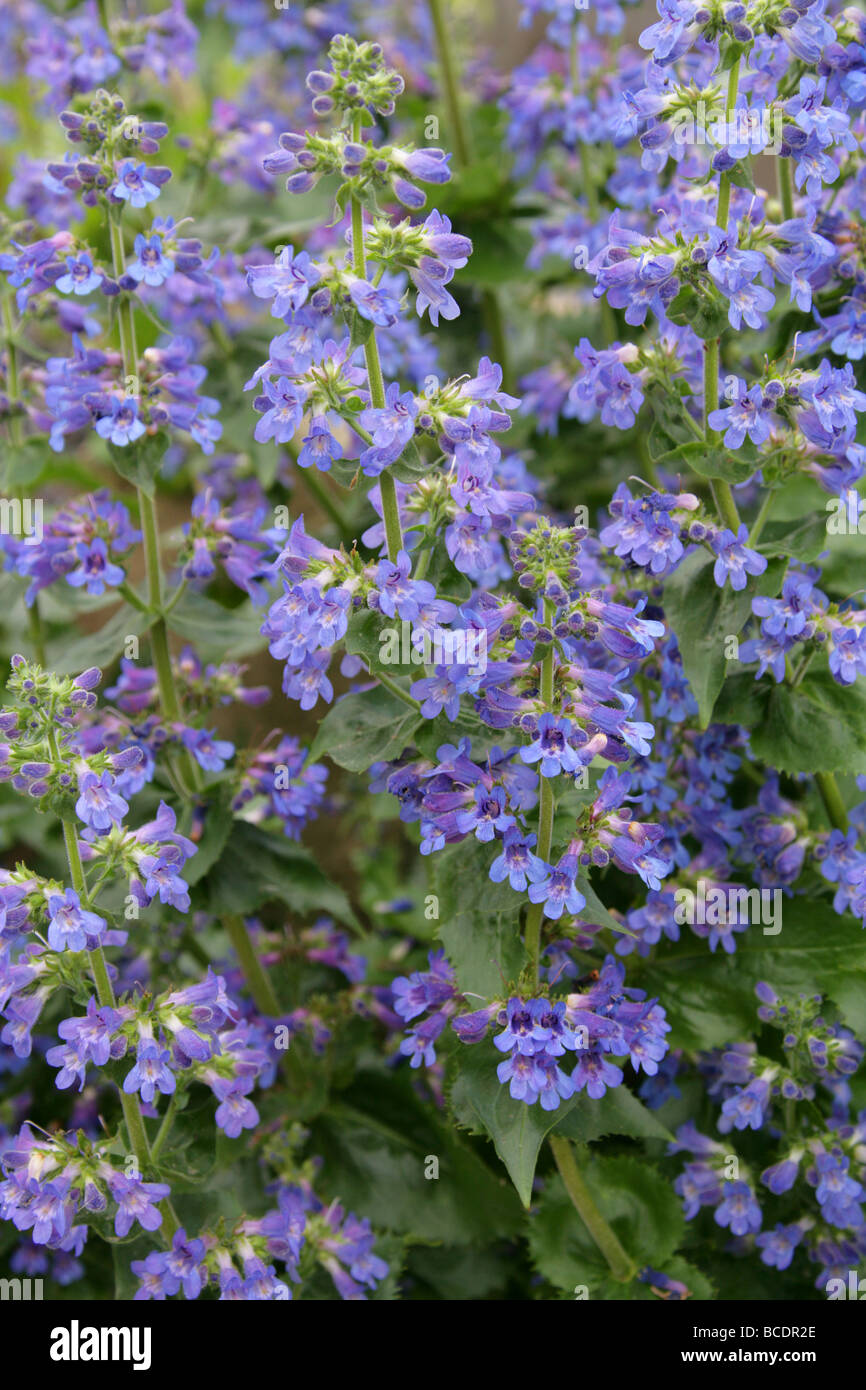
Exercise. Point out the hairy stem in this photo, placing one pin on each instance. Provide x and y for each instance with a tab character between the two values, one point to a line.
459	138
387	487
13	391
545	807
622	1267
130	1105
169	702
828	789
260	987
722	495
785	187
724	204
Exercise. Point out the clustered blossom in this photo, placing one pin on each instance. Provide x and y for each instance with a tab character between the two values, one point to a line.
823	1152
533	688
608	1020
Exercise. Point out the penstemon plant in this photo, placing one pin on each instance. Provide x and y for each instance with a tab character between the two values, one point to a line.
434	735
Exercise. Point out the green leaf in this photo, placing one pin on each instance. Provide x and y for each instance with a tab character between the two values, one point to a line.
411	465
217	633
434	732
709	997
99	648
360	329
618	1112
478	918
25	463
365	727
595	912
139	463
638	1204
818	727
804	539
742	175
711	460
482	1104
257	867
702	615
704	310
377	1140
219	819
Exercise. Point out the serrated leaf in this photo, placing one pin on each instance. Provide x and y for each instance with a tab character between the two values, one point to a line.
483	1104
217	633
139	462
638	1204
818	727
99	648
256	868
365	727
376	1141
702	616
618	1112
709	997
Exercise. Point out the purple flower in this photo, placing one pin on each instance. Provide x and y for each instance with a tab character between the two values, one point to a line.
133	186
80	277
517	863
71	927
282	406
122	426
235	1111
98	804
738	1209
399	595
151	1072
391	427
151	265
95	570
136	1201
551	748
288	281
734	559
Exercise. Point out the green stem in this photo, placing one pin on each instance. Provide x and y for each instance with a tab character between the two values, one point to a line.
828	788
13	391
785	187
722	495
761	519
397	690
460	141
387	486
724	205
545	807
190	777
165	1128
622	1267
260	986
105	994
457	132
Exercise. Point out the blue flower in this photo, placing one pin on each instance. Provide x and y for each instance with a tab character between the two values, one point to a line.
80	277
122	426
151	264
151	1072
71	927
132	185
95	569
